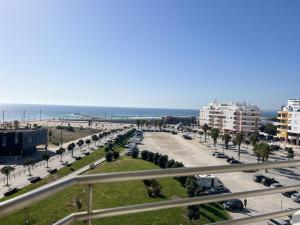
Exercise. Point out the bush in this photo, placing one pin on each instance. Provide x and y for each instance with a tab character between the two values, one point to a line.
170	163
145	154
155	158
153	188
109	156
135	153
116	155
150	157
108	147
162	161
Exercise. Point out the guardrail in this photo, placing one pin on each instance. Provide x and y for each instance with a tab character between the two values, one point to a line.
25	200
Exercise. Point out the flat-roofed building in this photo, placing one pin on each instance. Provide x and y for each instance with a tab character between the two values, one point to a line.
231	117
288	125
16	143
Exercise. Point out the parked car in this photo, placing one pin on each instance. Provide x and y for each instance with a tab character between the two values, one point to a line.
128	153
234	204
217	190
214	153
234	161
258	178
221	156
11	191
267	181
54	170
275	185
289	193
86	153
296	197
278	222
34	179
92	166
78	158
173	132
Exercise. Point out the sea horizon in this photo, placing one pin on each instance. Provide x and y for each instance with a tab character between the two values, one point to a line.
20	111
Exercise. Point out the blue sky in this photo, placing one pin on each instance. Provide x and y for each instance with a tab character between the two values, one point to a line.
155	53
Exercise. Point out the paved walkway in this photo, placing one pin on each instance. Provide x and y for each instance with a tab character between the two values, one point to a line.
19	178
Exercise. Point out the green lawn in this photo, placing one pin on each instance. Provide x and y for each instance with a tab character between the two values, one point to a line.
116	194
95	155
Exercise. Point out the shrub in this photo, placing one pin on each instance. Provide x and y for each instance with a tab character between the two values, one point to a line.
153	188
155	158
150	157
116	155
145	154
170	163
135	153
108	147
109	156
162	161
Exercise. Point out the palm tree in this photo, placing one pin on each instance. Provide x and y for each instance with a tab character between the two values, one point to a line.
80	143
253	138
227	139
6	170
88	142
95	138
46	157
214	135
16	124
71	147
205	129
60	151
29	162
239	138
160	124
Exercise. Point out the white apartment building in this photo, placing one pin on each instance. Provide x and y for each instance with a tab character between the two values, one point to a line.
289	121
231	117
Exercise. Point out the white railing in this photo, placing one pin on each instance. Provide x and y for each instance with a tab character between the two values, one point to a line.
26	200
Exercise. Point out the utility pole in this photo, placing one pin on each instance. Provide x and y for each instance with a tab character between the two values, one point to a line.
40	115
61	135
3	115
24	114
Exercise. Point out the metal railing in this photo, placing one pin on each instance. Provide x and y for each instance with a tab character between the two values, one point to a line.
25	200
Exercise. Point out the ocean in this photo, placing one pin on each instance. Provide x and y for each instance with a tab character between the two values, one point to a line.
36	112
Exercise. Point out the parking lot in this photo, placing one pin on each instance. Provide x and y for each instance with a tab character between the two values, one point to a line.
193	153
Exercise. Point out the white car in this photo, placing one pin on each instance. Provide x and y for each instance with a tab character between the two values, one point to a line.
296	197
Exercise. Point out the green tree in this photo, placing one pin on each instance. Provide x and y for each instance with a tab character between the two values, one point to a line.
290	152
116	155
227	139
60	151
193	213
46	157
162	161
88	142
145	154
205	129
95	139
239	138
135	153
109	156
7	170
138	123
253	138
71	147
215	135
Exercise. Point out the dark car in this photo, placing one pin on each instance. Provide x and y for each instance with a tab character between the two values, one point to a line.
258	178
34	179
54	170
234	161
11	191
78	158
86	153
173	132
278	222
267	181
289	193
217	190
234	204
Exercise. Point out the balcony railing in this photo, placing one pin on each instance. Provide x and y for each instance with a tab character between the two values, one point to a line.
26	200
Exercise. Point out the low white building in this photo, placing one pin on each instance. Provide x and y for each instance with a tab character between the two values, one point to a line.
231	117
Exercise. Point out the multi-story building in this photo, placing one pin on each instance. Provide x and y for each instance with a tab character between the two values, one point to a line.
231	117
288	125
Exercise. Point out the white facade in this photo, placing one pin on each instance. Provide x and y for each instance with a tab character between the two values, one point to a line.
293	110
232	117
